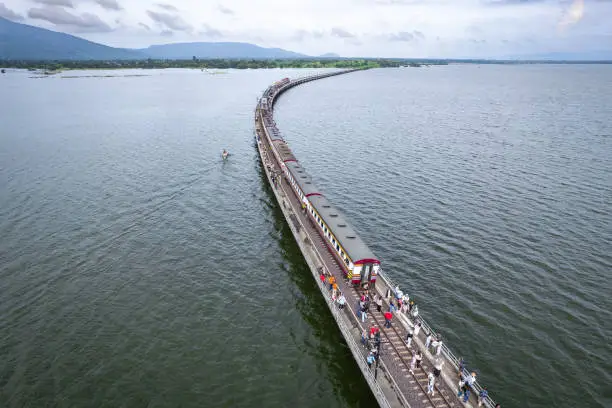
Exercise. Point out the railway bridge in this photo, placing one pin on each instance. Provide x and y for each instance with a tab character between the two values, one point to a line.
390	378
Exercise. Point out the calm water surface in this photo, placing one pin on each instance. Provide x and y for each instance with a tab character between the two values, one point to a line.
137	269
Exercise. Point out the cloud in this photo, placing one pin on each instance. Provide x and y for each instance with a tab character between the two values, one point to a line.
167	7
402	36
86	22
209	31
109	4
9	14
171	21
166	33
64	3
301	35
225	10
341	33
146	27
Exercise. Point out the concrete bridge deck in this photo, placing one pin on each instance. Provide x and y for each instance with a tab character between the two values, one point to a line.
391	381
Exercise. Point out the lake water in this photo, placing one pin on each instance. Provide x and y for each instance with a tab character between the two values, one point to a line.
138	269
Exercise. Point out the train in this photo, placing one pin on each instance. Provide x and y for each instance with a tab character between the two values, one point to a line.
359	263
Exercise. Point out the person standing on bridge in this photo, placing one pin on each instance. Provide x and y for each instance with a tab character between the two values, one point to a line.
415	312
413	363
364	311
341	301
468	382
409	337
428	341
482	396
388	317
439	346
370	359
438	364
417	328
379	303
322	277
419	358
331	280
430	384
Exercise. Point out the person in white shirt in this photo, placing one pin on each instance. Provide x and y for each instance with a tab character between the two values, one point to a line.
409	338
439	348
430	384
413	363
417	329
468	382
428	341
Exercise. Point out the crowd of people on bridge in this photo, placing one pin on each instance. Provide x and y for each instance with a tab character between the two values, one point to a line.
400	303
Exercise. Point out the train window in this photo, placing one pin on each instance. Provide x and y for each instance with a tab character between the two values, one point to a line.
337	247
346	261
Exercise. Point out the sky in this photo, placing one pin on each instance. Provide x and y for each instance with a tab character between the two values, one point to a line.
350	28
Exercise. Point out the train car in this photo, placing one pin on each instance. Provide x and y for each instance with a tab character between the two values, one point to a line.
360	264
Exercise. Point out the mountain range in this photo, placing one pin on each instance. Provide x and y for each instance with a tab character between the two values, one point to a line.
25	42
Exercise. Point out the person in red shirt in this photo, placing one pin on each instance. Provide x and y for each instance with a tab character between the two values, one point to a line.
388	317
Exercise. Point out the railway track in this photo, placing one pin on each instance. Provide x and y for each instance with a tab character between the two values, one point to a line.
400	350
420	375
413	385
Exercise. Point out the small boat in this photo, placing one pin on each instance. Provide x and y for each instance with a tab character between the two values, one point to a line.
224	154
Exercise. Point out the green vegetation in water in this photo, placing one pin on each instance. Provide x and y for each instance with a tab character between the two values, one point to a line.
196	63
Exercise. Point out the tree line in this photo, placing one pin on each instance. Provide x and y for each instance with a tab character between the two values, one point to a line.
197	63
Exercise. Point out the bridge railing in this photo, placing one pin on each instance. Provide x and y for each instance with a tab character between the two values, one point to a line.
446	352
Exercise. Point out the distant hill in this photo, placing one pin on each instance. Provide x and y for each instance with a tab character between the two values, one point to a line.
330	55
205	50
25	42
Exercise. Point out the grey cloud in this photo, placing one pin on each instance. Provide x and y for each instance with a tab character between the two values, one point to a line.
146	27
301	35
225	10
209	31
86	22
9	14
407	36
166	33
168	7
402	36
64	3
109	4
342	33
171	21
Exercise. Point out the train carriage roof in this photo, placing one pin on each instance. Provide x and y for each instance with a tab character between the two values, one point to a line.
302	178
356	249
283	150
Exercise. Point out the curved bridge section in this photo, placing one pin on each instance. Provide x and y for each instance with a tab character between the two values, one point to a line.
346	271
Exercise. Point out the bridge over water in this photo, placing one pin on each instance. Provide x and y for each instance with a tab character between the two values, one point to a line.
390	378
